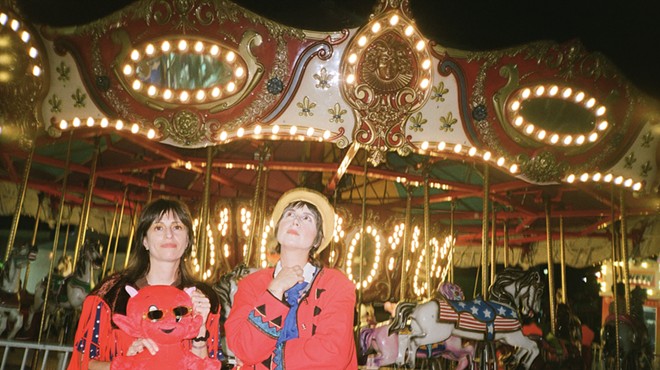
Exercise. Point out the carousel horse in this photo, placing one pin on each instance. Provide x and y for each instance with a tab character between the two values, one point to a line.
62	270
514	293
635	350
10	284
226	288
66	297
386	346
562	350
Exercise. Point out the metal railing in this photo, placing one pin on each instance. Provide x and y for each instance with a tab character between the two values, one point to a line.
32	353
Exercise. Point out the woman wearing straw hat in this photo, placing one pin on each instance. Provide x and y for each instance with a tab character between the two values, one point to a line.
297	315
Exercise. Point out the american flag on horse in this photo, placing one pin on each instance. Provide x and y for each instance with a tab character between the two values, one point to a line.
479	316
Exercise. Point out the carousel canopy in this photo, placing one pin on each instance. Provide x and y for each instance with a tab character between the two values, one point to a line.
402	113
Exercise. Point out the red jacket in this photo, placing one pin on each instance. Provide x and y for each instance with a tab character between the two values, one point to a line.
325	324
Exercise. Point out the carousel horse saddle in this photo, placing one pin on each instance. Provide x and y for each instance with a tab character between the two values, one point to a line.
479	315
10	300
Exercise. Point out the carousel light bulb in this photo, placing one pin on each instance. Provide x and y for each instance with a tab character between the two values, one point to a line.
135	128
149	49
570	179
394	20
151	133
257	129
104	122
63	125
375	27
637	186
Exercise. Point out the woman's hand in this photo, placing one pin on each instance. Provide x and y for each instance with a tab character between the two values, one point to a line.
201	306
285	279
140	344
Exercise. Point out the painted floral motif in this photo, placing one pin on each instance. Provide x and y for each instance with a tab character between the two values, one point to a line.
447	122
646	168
79	98
630	159
306	107
438	92
336	114
417	121
63	72
647	139
55	104
323	79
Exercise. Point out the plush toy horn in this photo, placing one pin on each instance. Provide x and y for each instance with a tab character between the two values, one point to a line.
190	290
131	291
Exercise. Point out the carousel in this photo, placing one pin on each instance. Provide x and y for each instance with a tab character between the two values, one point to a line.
514	164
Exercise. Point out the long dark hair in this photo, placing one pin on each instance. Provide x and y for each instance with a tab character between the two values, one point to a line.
319	228
139	263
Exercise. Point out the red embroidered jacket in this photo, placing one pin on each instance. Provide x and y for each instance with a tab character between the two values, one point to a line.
325	324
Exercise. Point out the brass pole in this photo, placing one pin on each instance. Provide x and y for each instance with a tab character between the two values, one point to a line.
450	259
204	221
82	228
150	191
407	236
363	230
333	252
255	212
56	237
121	219
484	234
493	256
34	241
107	249
624	250
615	292
427	245
68	230
131	234
19	202
262	208
562	259
551	274
506	243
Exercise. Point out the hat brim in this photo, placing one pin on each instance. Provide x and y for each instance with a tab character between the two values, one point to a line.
312	197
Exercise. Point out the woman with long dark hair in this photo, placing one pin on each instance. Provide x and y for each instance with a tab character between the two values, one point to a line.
163	243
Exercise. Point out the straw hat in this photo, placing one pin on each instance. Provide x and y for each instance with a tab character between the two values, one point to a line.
312	197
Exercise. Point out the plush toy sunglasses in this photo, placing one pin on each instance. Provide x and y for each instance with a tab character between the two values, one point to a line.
156	315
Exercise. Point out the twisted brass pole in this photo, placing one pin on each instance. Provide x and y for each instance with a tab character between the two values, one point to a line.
427	245
493	255
19	202
407	236
84	216
121	219
505	228
624	250
363	231
484	234
33	241
562	259
450	257
107	249
551	274
615	291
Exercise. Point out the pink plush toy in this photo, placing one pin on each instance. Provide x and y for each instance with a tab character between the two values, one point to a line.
163	314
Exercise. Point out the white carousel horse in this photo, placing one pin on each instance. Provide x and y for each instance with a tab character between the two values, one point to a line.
65	303
62	270
10	284
226	288
514	293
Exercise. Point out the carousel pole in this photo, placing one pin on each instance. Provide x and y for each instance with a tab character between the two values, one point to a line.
493	255
551	274
262	224
107	250
34	240
427	245
131	234
562	259
84	216
204	220
484	234
66	236
363	224
624	251
19	202
615	293
56	238
333	253
121	219
407	235
505	230
255	211
450	258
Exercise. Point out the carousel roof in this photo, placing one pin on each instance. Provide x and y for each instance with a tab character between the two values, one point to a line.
399	105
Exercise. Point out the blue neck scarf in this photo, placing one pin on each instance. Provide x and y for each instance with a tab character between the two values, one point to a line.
290	328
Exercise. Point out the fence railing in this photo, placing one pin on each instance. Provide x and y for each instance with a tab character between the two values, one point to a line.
49	356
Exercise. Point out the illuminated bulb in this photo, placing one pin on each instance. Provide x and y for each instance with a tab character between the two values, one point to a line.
529	129
183	45
526	93
554	138
394	20
362	41
487	156
553	90
580	140
515	105
326	136
541	134
119	124
33	53
513	168
608	177
409	31
567	92
199	46
425	145
14	25
584	177
618	180
590	103
276	129
570	179
375	27
239	72
151	133
518	121
500	161
593	137
352	58
3	19
458	148
240	132
257	129
150	49
231	86
350	79
600	111
167	94
223	135
602	126
215	92
25	36
637	186
426	64
293	130
200	95
424	84
184	96
596	177
127	70
63	123
568	140
442	145
76	122
310	131
137	85
420	45
215	50
104	122
540	90
151	91
90	122
36	71
165	46
135	128
579	97
472	151
628	183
